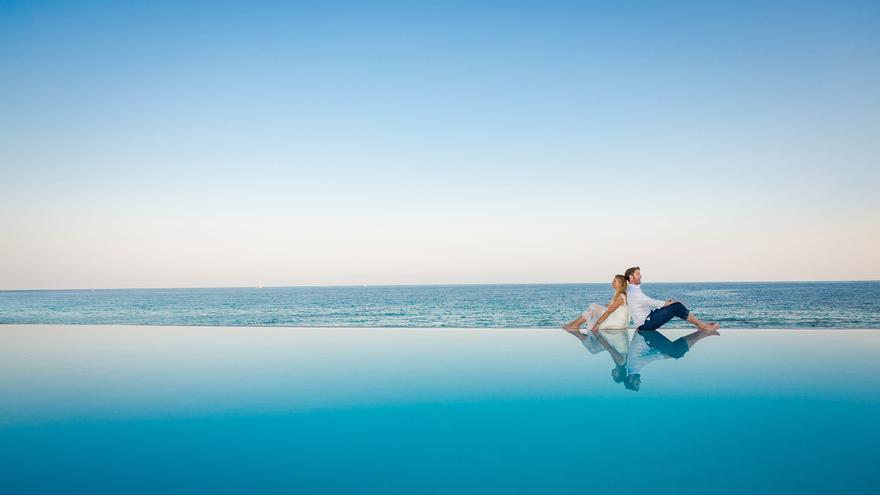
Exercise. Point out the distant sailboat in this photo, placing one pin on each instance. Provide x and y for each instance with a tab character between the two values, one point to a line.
259	285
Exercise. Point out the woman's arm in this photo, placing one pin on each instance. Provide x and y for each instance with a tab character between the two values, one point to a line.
611	307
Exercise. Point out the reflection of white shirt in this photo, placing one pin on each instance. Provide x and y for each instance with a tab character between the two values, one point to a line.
640	304
640	354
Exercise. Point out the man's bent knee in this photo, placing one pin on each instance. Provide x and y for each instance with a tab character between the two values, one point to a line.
680	310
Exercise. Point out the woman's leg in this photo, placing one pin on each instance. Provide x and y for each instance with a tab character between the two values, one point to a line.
592	313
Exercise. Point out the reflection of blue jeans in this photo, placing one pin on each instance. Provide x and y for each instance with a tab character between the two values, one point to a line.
656	340
658	317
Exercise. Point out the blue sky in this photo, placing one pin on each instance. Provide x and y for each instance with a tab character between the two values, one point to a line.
222	143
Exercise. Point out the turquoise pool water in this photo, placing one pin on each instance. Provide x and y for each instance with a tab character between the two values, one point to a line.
128	409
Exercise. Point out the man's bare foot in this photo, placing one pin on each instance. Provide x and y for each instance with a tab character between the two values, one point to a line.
711	328
570	328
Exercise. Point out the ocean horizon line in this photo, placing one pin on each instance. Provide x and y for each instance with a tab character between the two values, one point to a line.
671	329
473	284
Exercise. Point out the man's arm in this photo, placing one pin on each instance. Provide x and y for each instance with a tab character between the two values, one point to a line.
655	303
639	298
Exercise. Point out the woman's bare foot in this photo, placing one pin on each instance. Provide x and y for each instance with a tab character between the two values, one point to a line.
574	324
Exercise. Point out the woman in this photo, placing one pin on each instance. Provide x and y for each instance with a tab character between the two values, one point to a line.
608	329
598	317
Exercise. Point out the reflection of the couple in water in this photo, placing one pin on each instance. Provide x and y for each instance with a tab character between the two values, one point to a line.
630	355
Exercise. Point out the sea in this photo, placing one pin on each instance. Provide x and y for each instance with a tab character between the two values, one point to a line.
754	305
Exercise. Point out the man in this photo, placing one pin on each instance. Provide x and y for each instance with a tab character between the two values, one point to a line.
650	314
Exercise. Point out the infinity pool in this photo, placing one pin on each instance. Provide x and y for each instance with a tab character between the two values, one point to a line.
136	409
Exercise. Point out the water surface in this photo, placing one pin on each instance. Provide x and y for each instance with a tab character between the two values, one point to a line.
129	409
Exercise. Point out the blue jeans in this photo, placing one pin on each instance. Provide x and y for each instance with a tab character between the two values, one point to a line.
658	317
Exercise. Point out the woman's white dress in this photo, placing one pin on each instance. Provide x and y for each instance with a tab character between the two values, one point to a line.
617	320
613	329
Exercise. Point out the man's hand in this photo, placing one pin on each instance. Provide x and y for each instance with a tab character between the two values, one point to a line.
595	328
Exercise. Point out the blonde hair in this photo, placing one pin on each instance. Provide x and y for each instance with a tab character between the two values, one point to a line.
621	289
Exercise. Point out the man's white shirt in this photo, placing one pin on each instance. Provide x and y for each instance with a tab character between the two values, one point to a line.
640	305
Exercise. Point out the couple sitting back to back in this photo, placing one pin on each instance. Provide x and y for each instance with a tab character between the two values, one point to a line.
629	301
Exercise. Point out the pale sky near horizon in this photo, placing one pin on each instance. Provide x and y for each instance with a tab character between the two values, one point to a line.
344	143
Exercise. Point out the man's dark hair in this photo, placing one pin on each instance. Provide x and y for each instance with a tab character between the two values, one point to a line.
629	271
